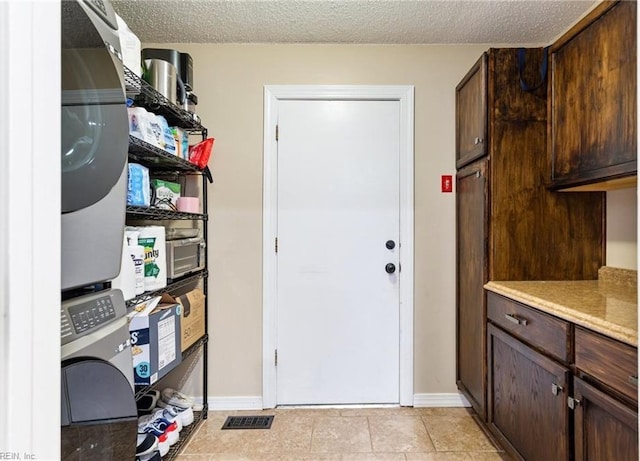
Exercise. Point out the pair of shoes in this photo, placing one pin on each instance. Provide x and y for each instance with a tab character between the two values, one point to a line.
169	414
185	415
165	431
148	402
147	443
175	398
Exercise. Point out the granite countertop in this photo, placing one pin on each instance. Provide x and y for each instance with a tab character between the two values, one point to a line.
608	305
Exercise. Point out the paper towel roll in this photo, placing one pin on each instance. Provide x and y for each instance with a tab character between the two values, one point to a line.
137	255
152	238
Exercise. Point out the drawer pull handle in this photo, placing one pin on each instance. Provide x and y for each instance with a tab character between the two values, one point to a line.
516	320
573	403
555	389
633	380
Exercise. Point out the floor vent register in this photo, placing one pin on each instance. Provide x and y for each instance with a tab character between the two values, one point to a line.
248	422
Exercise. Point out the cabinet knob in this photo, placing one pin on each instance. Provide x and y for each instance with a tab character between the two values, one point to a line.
477	140
633	380
555	389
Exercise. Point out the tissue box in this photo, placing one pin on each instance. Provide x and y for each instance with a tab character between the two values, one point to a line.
165	194
155	341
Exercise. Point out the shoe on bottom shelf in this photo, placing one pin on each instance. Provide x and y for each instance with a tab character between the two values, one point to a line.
147	443
176	398
153	456
169	414
158	427
185	414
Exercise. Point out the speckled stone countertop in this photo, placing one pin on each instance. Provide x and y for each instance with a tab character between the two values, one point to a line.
608	305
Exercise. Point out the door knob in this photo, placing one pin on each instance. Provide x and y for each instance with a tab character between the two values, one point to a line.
390	244
390	268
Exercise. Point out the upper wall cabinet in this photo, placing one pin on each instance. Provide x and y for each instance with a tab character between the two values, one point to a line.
471	120
592	104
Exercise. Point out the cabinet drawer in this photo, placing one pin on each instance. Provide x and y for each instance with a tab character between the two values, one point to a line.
609	361
537	328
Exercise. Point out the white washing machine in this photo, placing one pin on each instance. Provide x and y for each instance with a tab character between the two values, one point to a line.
95	139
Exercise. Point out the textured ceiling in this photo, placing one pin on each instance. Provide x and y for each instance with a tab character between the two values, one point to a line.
350	21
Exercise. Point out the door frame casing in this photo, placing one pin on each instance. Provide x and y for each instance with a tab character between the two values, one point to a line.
273	94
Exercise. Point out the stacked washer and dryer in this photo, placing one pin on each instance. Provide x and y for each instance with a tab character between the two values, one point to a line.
99	414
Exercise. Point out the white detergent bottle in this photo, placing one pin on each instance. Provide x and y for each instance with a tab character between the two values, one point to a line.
152	239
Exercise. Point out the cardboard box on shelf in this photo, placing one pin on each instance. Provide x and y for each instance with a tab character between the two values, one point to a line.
155	332
192	321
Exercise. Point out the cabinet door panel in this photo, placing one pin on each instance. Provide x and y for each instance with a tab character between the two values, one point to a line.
605	429
593	99
524	411
471	114
471	231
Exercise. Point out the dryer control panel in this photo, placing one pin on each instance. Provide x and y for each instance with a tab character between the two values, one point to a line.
82	315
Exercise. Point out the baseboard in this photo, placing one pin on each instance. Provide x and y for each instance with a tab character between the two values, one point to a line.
235	403
419	401
440	400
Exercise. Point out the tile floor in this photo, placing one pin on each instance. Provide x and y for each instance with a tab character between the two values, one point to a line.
377	434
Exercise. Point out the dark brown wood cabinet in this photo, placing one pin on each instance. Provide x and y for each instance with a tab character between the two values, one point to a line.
604	428
558	391
509	225
593	101
471	122
527	399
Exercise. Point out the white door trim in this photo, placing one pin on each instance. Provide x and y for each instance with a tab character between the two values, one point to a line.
272	95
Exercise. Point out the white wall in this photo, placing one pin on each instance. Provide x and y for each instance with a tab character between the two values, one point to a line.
30	229
622	231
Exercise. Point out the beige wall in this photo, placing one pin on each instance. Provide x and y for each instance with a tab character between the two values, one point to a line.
229	81
622	229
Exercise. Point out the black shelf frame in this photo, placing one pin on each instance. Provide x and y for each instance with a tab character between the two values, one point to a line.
156	158
144	95
185	435
143	212
160	161
173	286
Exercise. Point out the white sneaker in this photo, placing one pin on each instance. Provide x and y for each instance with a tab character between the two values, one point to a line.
177	399
159	426
169	414
185	414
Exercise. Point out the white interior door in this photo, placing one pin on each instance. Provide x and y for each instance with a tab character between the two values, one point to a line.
338	328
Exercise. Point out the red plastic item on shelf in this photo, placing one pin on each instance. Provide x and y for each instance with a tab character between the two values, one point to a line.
200	153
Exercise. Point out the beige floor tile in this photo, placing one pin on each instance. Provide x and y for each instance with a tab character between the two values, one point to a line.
445	411
373	457
291	457
341	435
439	456
457	433
193	458
399	434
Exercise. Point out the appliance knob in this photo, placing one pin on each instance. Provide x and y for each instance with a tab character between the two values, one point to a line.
390	268
390	244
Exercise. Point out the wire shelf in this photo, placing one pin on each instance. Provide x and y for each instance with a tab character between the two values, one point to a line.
186	434
141	212
145	95
173	286
156	158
